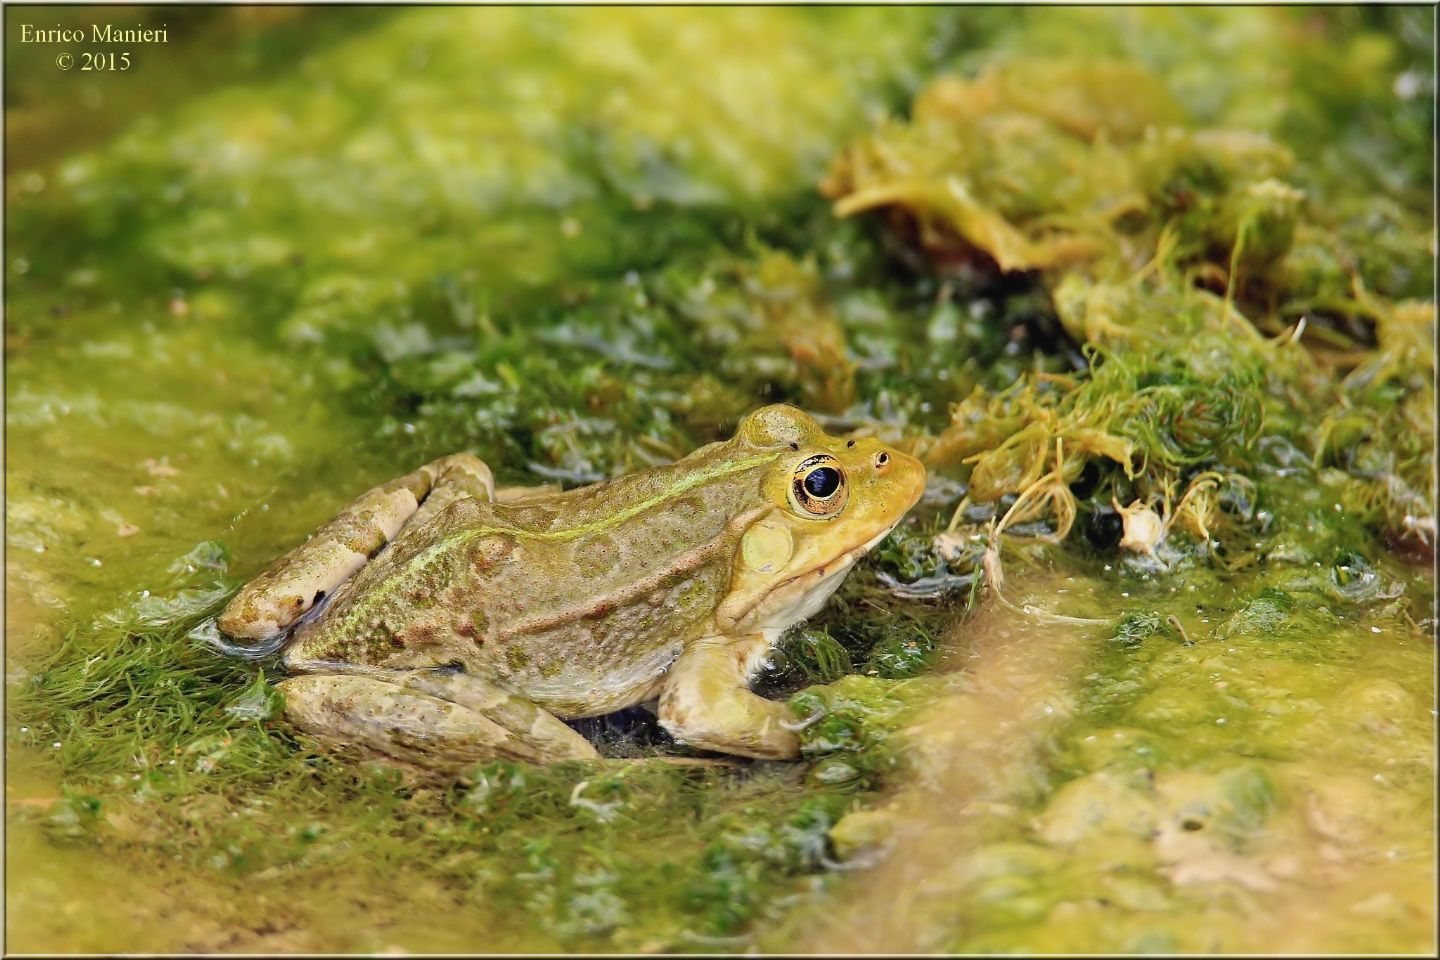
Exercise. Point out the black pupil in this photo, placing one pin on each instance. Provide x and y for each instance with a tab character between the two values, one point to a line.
822	481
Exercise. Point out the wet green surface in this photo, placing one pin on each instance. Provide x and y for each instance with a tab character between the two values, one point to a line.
583	242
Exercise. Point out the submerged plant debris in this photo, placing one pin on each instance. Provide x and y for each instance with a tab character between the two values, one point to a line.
1151	292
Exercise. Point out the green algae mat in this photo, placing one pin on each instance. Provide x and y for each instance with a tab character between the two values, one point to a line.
1150	668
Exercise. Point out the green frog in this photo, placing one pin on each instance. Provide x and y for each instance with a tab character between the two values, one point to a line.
440	620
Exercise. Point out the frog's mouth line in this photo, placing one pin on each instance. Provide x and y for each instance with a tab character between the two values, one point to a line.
853	555
831	573
842	562
879	538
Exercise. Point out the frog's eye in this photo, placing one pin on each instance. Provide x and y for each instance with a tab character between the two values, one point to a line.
818	488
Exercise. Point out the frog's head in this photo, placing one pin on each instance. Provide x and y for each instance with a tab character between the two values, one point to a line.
826	501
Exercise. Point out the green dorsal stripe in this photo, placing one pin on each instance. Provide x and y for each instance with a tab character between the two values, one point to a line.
697	479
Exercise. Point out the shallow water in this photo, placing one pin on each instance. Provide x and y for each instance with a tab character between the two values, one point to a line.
1235	797
255	296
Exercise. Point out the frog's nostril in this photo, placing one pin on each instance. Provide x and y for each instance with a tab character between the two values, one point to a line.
881	459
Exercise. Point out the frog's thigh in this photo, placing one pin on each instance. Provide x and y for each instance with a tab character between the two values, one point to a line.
273	601
429	718
706	702
453	478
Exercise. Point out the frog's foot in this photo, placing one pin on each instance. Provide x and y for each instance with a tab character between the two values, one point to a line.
432	718
707	703
273	601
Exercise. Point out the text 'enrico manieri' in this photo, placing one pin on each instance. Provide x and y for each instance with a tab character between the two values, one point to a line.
95	33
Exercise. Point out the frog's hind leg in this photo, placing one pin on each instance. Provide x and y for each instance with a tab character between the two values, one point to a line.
273	601
432	718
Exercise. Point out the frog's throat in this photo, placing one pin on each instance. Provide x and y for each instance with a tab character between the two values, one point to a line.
837	568
419	563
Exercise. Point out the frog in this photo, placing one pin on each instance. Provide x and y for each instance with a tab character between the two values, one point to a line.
440	620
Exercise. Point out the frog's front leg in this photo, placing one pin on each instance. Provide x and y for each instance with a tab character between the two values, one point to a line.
273	601
433	718
706	701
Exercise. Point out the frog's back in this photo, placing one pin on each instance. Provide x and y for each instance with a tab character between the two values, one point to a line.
577	600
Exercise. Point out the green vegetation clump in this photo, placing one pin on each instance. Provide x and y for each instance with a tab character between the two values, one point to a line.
1166	249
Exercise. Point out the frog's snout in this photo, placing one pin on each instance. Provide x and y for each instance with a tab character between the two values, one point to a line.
899	474
885	484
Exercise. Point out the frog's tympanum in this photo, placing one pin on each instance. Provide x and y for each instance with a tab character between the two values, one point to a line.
441	621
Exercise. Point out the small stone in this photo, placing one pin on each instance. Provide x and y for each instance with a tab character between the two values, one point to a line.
860	831
1143	527
950	546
